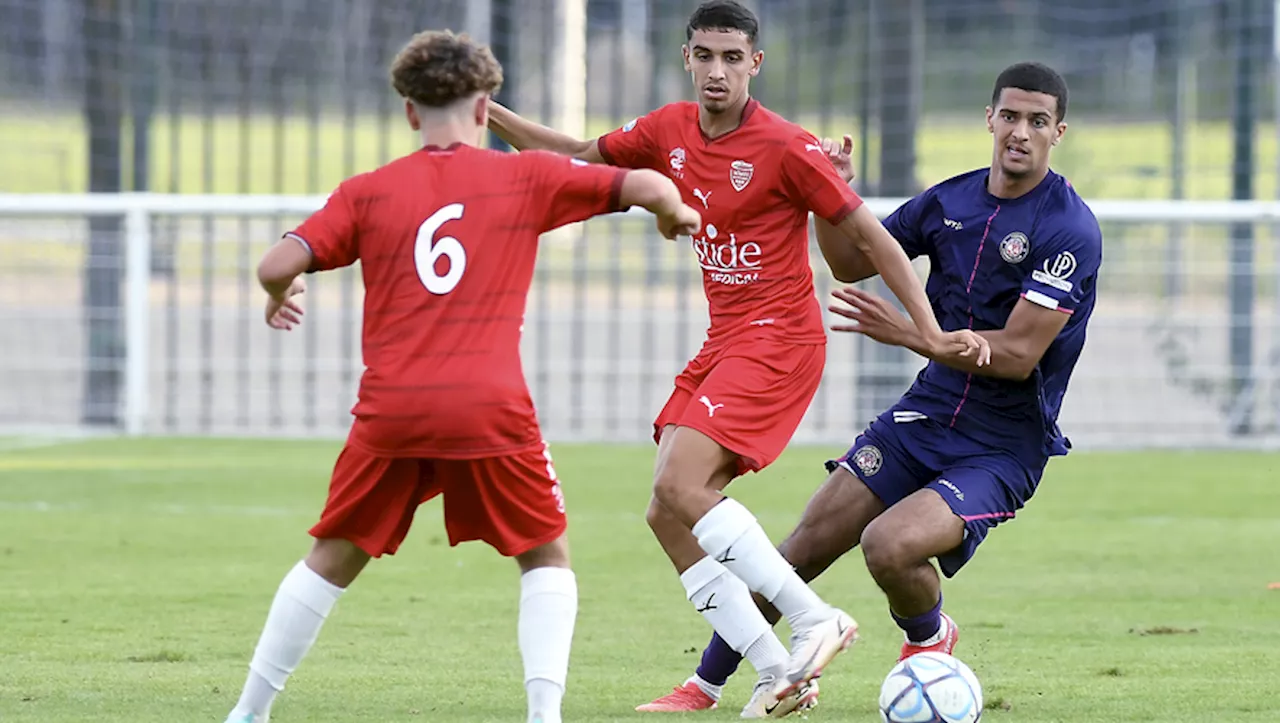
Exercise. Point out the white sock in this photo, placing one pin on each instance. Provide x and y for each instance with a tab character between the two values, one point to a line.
767	655
725	602
730	534
548	610
713	691
300	607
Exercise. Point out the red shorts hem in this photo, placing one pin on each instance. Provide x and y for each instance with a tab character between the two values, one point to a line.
506	548
371	547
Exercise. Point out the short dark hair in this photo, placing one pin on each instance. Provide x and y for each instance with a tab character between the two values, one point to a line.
436	68
723	15
1033	78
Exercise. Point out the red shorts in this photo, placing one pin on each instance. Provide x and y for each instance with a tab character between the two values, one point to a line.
514	503
748	398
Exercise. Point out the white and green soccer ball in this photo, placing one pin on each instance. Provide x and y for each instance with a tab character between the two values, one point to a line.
931	688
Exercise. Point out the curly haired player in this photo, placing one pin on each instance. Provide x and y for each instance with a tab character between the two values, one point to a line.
446	238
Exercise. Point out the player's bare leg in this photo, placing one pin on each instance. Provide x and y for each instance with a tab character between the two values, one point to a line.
831	525
548	611
302	602
734	540
898	546
723	599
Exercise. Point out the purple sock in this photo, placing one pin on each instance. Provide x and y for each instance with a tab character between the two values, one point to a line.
923	626
719	661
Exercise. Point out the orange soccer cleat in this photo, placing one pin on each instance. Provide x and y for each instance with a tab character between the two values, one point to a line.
682	699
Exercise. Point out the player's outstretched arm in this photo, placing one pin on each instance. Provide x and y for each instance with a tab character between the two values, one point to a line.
279	273
872	240
1015	350
658	194
526	135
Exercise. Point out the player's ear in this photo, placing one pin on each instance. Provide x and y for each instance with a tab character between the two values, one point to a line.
684	50
756	59
990	114
1061	131
482	110
411	113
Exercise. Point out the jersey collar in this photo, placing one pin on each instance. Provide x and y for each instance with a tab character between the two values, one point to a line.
747	111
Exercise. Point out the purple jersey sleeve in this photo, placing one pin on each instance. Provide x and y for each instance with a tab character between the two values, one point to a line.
1064	268
908	222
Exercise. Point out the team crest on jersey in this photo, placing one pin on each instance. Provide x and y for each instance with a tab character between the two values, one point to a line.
1015	247
677	162
868	459
740	173
630	126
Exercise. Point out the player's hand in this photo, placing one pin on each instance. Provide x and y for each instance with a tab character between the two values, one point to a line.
685	221
964	343
873	317
284	313
840	153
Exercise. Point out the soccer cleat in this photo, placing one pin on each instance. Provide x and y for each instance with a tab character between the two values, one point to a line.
808	697
947	644
763	704
247	718
682	699
814	647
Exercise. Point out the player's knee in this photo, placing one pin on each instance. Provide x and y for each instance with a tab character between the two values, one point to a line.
670	494
888	552
337	561
659	517
552	554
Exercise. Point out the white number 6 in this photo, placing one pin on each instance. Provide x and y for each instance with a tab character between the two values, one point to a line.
427	250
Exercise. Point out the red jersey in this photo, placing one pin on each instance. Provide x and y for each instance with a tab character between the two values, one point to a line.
755	187
447	240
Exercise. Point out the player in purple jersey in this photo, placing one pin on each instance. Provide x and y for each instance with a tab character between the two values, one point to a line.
1014	255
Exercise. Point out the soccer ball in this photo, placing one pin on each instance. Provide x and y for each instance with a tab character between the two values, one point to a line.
930	688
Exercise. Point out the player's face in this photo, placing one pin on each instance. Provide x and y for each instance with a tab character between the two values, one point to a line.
1025	130
722	63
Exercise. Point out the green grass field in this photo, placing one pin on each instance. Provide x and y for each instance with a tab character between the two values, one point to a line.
1103	158
136	576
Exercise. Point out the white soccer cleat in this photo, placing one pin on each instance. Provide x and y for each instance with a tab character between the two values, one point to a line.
764	704
814	647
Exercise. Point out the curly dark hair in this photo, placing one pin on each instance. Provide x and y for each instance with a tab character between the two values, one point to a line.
436	68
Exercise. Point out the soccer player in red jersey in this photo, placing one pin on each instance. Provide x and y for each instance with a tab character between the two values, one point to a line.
755	177
446	238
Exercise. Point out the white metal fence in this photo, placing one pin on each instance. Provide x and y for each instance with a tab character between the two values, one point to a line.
1183	349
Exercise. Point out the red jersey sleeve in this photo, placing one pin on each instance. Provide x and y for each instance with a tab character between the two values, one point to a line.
634	145
330	233
569	190
813	183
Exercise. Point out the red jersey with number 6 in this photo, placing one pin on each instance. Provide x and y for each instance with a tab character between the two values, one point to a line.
755	187
447	239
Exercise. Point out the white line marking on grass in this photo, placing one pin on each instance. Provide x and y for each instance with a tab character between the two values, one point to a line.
157	510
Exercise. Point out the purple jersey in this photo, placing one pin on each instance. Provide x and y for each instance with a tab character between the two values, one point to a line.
985	254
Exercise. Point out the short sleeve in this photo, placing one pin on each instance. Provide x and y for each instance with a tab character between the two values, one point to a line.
330	233
569	190
634	145
812	183
907	225
1064	267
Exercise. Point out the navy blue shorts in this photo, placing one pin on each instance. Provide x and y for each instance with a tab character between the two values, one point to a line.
904	451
